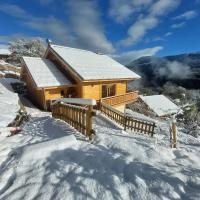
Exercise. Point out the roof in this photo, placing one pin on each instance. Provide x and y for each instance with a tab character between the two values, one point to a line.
45	73
160	104
92	66
3	63
5	52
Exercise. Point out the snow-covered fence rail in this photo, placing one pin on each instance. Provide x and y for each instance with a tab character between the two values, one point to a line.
78	117
127	122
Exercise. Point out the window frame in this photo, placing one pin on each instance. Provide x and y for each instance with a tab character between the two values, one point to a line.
108	91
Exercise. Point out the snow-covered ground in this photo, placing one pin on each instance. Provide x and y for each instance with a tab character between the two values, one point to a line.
50	160
8	102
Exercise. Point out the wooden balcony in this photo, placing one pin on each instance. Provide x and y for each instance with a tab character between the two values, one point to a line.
121	99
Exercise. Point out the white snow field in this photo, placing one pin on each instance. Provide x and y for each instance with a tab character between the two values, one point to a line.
8	102
49	160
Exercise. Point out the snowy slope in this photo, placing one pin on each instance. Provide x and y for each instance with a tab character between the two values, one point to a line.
118	165
8	102
50	160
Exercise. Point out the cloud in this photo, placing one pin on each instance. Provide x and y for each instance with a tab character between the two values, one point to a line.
178	25
168	34
126	58
86	25
86	29
186	15
121	10
13	10
163	7
138	30
174	70
54	27
162	38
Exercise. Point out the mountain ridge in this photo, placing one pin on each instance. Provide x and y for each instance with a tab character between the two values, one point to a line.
182	69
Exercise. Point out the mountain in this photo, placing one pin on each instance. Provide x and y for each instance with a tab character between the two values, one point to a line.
183	69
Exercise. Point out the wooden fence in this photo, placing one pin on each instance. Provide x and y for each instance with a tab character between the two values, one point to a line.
127	122
78	117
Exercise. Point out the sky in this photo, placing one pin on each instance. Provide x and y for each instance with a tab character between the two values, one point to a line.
125	29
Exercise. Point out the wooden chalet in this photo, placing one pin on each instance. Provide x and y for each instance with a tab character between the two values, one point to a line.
69	72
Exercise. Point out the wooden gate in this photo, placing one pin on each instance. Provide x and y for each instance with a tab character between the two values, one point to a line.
77	116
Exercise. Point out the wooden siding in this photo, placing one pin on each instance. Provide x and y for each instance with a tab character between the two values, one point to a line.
121	88
94	90
54	93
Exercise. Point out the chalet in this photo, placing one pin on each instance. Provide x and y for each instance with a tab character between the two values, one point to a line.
69	72
4	53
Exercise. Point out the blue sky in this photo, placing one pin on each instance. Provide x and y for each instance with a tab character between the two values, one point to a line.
126	29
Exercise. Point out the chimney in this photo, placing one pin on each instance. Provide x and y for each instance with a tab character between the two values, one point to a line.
48	41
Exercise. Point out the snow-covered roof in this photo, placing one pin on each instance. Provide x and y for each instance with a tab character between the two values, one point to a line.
160	104
79	101
5	52
3	63
45	73
93	66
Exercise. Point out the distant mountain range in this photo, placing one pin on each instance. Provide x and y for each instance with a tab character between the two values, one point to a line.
181	69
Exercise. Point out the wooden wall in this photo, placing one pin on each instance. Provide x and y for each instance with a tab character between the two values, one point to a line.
94	90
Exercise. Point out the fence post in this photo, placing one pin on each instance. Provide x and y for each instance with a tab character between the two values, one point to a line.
174	133
89	121
125	120
153	130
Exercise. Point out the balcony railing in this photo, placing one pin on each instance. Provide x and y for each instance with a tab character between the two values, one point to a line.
121	99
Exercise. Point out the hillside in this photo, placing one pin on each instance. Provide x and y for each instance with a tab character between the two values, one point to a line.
48	159
181	69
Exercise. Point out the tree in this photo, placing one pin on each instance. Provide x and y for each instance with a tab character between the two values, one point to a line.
25	47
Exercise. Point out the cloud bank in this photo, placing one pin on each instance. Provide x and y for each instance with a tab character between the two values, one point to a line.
126	58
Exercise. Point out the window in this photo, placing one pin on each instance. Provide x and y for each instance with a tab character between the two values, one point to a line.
108	90
62	93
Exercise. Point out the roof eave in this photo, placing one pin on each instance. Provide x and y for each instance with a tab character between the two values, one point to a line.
111	79
52	87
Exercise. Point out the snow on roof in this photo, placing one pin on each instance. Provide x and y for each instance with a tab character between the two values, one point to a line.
3	63
79	101
160	104
45	73
93	66
5	52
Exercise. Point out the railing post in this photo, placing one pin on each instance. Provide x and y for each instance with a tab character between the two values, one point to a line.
152	133
125	120
89	115
174	134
